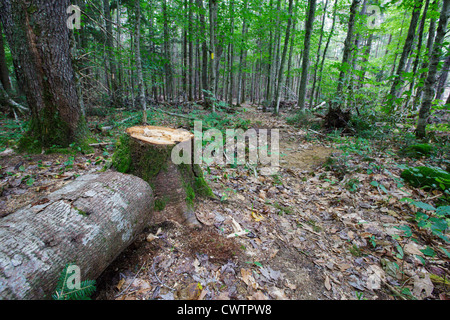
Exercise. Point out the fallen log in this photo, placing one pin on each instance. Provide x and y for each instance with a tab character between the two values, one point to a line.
146	151
88	222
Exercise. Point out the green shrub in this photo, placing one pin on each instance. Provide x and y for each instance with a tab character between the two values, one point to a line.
418	150
425	177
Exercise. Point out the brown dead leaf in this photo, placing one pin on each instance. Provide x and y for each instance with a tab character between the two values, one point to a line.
327	283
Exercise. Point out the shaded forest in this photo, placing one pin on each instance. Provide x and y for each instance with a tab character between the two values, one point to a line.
358	207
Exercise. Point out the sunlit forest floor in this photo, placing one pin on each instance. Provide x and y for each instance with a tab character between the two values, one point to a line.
333	223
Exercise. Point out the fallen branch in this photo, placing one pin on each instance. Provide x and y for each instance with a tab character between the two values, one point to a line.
5	96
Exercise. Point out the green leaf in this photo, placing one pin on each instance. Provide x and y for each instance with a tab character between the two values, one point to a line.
258	264
400	254
443	211
375	183
429	252
406	230
423	205
30	182
445	251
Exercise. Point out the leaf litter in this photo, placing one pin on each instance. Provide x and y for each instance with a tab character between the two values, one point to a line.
315	230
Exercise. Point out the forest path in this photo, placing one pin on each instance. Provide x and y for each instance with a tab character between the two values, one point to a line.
281	256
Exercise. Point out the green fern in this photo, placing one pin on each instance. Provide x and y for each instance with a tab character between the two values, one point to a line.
86	290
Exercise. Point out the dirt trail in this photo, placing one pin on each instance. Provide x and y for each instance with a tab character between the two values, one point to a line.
281	256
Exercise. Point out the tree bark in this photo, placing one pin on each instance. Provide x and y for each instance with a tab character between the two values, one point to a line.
212	47
311	101
204	68
429	89
112	70
4	73
345	65
89	222
398	80
39	41
137	45
305	63
283	59
325	50
167	54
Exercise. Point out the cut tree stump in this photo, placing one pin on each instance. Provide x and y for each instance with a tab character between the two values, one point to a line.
88	222
146	151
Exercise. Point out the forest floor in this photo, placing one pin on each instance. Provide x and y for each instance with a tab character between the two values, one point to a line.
328	225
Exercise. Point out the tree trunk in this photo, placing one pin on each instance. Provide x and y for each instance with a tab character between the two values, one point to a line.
4	73
311	100
39	40
324	55
419	51
89	222
443	78
148	152
240	96
429	90
345	65
204	47
110	53
426	58
398	80
212	45
137	45
191	54
167	54
283	59
305	63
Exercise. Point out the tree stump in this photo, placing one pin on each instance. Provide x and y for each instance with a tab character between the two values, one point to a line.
89	222
146	151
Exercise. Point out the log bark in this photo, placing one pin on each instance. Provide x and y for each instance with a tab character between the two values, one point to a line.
89	222
146	152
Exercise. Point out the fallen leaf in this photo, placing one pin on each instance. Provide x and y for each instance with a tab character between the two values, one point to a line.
327	283
422	284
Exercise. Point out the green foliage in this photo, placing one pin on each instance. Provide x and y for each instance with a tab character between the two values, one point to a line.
436	220
426	177
418	150
304	119
63	292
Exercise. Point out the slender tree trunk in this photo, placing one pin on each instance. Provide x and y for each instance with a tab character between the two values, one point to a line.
307	43
365	59
112	70
291	50
283	59
443	78
231	54
39	41
398	80
204	46
4	73
243	54
167	54
419	50
324	55
347	52
191	53
212	46
427	57
429	91
137	45
311	100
